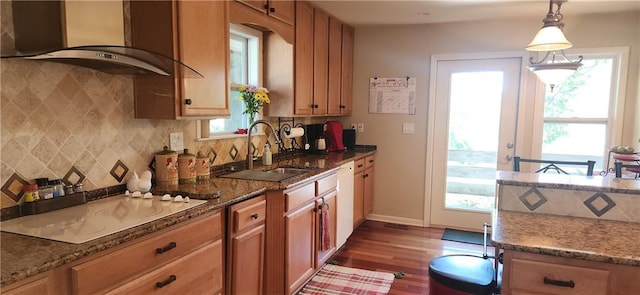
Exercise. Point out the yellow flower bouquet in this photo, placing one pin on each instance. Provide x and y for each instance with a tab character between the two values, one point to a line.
254	98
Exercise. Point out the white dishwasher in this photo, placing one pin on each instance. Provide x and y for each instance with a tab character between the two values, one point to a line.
345	204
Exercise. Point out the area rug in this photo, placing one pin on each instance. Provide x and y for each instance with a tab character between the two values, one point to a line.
337	280
464	236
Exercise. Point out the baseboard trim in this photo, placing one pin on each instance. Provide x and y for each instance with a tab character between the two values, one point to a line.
394	219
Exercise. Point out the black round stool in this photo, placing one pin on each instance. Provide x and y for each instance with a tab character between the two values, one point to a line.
461	274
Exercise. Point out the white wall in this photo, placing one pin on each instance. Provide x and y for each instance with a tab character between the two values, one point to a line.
399	51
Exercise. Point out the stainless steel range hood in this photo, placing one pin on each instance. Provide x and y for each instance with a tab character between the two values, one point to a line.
84	33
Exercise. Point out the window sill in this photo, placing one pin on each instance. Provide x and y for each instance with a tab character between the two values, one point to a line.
227	136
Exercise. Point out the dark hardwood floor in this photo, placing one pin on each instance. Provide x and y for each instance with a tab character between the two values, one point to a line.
395	248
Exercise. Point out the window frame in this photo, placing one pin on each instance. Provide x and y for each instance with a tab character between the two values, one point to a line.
613	121
254	66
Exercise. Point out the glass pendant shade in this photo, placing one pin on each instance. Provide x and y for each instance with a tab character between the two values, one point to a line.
554	73
549	38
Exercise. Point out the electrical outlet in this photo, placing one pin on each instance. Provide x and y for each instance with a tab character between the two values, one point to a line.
360	127
353	126
176	142
408	128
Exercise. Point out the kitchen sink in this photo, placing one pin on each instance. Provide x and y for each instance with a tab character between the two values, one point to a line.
274	175
286	170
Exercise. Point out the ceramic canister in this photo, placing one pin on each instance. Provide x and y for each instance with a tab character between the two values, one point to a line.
166	167
186	168
202	167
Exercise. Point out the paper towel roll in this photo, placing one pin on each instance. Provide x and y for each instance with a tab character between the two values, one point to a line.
294	132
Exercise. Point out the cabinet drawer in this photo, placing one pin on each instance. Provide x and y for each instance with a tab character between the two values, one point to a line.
358	165
103	272
197	273
540	276
369	161
326	184
298	196
248	213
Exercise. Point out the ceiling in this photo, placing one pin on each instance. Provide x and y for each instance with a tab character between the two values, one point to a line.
362	12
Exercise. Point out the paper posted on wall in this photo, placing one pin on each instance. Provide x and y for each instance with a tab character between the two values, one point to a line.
392	95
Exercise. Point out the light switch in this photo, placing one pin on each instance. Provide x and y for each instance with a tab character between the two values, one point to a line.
176	142
408	128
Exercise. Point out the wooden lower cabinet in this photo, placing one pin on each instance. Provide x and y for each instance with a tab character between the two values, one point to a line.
300	246
363	187
40	284
246	248
527	273
200	272
294	251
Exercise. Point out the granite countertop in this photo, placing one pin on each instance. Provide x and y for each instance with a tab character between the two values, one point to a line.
24	256
571	237
605	184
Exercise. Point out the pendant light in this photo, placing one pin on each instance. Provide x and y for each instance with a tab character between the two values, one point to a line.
555	66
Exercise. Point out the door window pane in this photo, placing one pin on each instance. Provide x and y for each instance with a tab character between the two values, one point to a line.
474	125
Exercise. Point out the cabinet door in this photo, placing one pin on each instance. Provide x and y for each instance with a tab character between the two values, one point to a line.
358	198
303	59
334	106
247	262
282	10
368	190
40	284
299	246
259	5
330	203
346	94
204	45
320	61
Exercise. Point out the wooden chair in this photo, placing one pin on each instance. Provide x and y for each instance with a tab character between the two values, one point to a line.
552	165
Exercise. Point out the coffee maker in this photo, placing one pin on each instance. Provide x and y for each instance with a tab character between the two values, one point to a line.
315	138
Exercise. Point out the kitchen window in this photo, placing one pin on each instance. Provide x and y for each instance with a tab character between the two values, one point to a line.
245	65
582	115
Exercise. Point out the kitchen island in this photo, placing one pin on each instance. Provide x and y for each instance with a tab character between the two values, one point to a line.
564	234
24	256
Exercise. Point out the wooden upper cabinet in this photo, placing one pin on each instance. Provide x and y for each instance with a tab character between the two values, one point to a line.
346	86
322	68
303	100
320	61
334	104
282	10
197	34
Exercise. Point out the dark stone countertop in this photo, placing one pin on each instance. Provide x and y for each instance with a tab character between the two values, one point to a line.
24	256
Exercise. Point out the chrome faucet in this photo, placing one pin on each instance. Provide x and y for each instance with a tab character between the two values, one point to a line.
276	142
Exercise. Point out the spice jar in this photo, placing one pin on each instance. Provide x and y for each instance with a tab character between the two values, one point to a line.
57	189
44	190
203	172
166	167
30	192
186	168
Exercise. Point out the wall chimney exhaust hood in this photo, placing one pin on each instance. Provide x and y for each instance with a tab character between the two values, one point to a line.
84	33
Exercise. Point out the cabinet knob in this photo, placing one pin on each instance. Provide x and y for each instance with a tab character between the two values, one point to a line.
266	6
254	216
272	9
365	175
187	101
342	106
166	282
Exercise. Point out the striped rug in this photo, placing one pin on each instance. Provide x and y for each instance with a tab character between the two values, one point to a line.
338	280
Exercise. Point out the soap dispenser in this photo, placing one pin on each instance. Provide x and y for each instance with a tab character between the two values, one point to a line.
266	156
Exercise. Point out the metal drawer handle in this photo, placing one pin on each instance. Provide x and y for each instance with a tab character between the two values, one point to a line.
569	284
166	248
166	282
254	216
360	165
